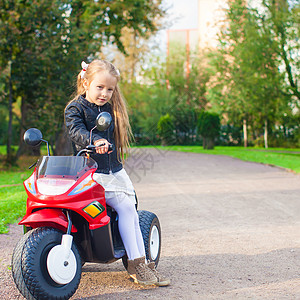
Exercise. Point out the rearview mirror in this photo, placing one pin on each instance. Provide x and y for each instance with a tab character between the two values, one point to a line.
103	121
33	137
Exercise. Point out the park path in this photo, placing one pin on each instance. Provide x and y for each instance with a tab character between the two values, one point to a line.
230	230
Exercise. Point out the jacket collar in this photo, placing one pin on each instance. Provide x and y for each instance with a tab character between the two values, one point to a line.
90	104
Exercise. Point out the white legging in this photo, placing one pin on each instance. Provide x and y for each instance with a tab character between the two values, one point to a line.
128	223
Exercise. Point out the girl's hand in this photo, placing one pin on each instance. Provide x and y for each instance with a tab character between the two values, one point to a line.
102	149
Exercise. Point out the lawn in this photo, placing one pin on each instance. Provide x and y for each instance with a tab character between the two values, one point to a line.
12	193
13	196
3	149
12	205
281	157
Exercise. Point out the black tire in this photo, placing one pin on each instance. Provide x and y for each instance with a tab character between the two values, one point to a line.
17	268
150	226
29	266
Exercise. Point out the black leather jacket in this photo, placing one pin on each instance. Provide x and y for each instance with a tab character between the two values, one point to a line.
80	117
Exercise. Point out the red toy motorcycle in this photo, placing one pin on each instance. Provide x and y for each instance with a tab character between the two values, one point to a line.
68	223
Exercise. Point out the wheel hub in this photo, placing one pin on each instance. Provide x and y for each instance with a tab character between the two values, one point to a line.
154	242
61	264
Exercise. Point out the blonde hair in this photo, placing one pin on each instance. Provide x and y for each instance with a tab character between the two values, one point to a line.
122	132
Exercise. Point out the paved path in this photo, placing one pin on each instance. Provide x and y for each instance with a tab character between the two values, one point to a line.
231	230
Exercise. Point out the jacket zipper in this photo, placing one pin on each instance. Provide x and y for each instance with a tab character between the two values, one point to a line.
109	166
108	154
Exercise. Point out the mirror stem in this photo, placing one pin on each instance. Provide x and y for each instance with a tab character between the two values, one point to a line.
91	134
48	150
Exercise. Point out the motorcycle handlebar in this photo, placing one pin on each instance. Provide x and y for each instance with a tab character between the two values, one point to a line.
92	149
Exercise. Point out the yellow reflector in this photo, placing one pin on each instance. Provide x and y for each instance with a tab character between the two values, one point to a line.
94	209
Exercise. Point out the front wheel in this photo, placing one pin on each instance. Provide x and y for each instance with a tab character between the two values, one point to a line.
29	266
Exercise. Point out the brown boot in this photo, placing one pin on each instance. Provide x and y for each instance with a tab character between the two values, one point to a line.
161	280
139	271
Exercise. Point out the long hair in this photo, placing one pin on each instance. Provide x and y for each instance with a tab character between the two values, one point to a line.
122	131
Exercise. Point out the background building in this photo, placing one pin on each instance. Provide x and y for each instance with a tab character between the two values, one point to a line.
210	16
210	19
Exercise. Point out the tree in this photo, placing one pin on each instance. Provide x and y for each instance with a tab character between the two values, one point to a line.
43	43
166	90
283	19
25	31
137	48
249	85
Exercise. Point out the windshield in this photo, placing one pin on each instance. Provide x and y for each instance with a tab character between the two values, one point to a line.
57	174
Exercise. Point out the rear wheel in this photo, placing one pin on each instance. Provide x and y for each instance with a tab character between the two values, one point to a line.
151	233
29	266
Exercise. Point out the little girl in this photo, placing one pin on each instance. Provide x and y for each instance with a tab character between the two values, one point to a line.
97	91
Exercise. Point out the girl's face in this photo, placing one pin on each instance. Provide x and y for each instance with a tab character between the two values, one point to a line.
101	88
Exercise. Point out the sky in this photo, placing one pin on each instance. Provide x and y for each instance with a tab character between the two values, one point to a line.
183	13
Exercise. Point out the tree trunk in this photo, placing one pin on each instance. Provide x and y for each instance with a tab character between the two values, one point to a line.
9	155
266	133
134	58
245	133
23	148
63	145
208	143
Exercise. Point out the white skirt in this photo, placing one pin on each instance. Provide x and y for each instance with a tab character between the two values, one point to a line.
115	182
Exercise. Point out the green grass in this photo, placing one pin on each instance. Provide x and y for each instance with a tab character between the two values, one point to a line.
10	177
280	157
3	149
12	197
12	205
12	194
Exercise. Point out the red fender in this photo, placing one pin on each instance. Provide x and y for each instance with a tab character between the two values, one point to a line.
49	217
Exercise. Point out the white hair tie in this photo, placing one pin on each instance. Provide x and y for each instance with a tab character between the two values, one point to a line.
84	68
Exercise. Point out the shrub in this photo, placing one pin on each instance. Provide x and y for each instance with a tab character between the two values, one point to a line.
209	128
165	128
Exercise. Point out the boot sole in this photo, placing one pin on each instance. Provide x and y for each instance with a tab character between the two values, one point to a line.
163	283
149	282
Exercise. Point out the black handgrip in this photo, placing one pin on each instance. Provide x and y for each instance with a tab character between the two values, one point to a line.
93	147
111	147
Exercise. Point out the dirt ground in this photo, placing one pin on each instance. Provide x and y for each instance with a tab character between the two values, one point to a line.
230	230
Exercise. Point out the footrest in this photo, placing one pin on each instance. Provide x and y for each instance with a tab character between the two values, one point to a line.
119	253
